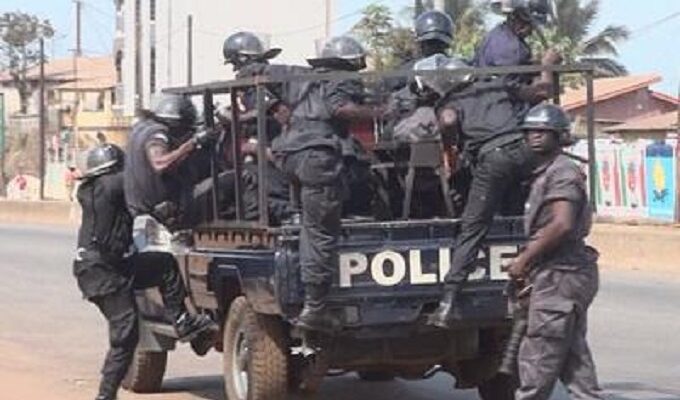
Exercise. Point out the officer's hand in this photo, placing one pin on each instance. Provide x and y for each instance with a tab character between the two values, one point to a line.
518	269
249	147
552	57
205	137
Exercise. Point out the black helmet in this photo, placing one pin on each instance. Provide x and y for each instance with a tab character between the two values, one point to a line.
529	10
103	159
434	25
443	83
341	51
551	118
246	45
173	109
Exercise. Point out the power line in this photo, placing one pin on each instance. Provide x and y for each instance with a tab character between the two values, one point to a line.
655	24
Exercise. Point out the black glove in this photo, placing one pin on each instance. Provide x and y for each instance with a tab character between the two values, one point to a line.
206	137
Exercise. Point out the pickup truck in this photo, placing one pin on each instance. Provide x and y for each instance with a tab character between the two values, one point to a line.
246	276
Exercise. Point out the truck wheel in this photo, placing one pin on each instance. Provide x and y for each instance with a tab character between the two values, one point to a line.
145	374
255	355
499	387
375	376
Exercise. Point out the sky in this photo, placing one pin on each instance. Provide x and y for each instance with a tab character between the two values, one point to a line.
653	46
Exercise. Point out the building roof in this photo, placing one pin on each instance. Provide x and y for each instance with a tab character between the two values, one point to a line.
663	122
93	73
607	88
665	97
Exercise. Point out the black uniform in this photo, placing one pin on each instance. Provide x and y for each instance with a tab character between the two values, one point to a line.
107	275
165	196
313	156
489	119
565	282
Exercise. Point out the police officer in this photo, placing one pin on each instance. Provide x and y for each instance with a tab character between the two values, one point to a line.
560	266
312	155
107	272
484	118
434	33
506	45
158	179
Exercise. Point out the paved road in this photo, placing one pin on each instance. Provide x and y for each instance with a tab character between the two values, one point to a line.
635	335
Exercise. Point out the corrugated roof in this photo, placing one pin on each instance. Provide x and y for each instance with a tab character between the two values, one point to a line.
661	122
607	88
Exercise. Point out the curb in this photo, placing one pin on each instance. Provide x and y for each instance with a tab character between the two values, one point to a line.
621	246
39	212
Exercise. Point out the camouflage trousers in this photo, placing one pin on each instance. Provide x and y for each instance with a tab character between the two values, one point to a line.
555	346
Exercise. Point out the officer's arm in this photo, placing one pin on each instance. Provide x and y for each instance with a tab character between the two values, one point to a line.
162	160
340	98
541	89
353	112
449	125
551	235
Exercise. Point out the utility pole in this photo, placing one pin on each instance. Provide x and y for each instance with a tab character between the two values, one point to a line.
190	49
168	50
440	5
329	22
79	48
42	119
77	53
419	8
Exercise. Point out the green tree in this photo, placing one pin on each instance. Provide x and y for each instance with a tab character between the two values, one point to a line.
469	17
570	33
20	35
375	29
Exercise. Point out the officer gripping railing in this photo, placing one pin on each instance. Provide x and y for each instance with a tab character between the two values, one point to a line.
234	88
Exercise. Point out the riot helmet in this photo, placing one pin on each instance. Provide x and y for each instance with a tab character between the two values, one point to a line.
243	47
531	11
549	117
342	52
434	25
443	83
103	159
174	110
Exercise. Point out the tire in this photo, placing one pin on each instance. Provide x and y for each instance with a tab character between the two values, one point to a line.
145	374
255	355
375	376
500	387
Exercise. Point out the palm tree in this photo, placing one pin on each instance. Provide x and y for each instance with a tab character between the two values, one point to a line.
570	32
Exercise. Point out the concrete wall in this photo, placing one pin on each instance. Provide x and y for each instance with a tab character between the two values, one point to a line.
213	21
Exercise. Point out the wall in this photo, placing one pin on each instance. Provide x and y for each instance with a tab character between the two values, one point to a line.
636	179
212	24
622	108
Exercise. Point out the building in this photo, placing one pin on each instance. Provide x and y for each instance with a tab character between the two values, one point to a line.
80	95
618	100
657	127
152	49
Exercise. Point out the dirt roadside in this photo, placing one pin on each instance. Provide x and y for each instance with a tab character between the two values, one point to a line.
24	376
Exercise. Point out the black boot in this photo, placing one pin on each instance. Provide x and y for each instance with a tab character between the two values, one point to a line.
445	314
314	315
205	341
189	327
107	391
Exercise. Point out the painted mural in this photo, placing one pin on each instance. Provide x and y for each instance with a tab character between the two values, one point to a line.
635	179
